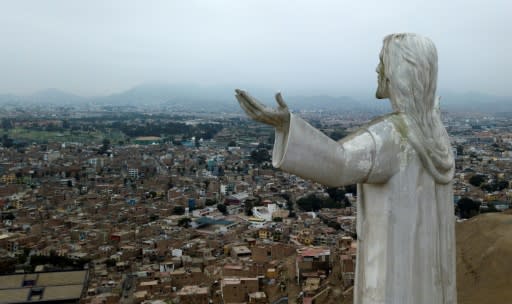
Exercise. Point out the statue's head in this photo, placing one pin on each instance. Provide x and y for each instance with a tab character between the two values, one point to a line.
382	80
408	72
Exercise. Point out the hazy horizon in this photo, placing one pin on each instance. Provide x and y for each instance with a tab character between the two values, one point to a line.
98	48
253	89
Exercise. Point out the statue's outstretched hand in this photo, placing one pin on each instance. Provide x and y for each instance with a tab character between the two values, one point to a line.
279	117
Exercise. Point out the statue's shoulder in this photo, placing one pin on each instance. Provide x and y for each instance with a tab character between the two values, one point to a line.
378	125
385	119
395	122
392	120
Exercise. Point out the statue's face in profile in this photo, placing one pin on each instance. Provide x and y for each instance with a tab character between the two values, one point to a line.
383	87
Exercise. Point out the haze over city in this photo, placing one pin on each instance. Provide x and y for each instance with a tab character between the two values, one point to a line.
300	47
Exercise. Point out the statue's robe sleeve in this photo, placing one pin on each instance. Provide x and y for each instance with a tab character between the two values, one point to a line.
307	152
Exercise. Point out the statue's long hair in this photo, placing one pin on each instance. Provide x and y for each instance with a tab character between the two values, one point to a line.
410	66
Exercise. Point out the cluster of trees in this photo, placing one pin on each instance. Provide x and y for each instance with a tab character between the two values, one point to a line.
104	147
222	208
205	131
477	180
338	195
184	222
8	142
7	124
467	208
260	155
178	210
250	203
314	202
7	216
336	199
480	180
210	202
58	261
155	127
494	186
51	127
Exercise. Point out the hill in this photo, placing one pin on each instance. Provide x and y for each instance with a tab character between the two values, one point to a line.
484	266
191	97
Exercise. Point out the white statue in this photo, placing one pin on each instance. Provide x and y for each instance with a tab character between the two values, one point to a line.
403	165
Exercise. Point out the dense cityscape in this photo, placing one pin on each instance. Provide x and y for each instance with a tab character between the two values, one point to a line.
121	204
255	152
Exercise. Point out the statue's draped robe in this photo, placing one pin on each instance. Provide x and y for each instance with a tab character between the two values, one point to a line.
405	220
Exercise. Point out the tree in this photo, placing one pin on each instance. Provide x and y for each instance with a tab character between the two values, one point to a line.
477	180
105	146
184	222
210	202
221	171
494	186
110	262
6	124
468	207
7	264
7	142
313	202
9	216
222	208
460	150
309	203
336	194
178	210
351	189
502	185
260	155
286	196
248	207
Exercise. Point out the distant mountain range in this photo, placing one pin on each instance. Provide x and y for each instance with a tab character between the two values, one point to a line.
221	99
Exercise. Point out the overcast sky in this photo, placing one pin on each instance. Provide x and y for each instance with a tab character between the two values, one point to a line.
98	47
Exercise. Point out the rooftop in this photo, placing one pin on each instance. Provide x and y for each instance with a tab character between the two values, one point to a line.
192	289
46	286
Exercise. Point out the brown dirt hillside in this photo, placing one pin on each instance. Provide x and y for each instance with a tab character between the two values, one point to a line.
484	259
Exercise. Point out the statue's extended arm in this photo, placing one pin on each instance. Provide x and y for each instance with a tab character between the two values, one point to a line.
278	118
305	151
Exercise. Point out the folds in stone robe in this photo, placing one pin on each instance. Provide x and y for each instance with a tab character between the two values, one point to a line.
405	220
